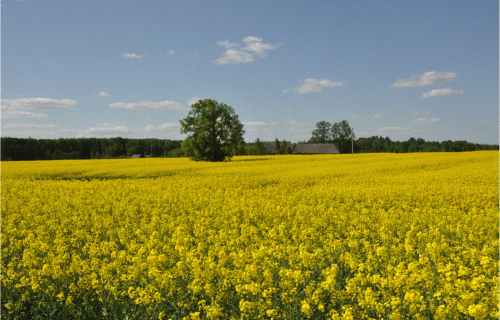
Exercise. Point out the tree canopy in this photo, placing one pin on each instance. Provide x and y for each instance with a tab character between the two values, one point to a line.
322	133
338	133
214	131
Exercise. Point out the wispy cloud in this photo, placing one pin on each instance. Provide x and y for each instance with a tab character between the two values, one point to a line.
399	130
192	101
166	127
44	104
171	53
483	121
10	113
103	94
426	120
132	56
149	105
425	79
258	125
228	45
105	129
25	126
233	56
253	46
297	126
441	93
313	85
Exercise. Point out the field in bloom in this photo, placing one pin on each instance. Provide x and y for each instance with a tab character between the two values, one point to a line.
364	236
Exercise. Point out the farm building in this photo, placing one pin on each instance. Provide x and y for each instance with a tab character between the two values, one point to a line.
316	148
304	148
270	146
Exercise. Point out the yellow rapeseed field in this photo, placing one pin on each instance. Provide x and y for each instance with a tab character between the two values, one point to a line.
364	236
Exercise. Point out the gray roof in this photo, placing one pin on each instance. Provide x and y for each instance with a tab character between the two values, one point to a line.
315	148
271	144
135	156
304	148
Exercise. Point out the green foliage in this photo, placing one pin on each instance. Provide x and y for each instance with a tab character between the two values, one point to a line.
341	135
338	133
257	148
175	153
277	147
282	147
381	144
288	149
131	151
322	133
214	131
82	148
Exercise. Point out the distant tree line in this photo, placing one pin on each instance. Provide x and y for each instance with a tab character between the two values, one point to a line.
381	144
341	133
86	148
106	148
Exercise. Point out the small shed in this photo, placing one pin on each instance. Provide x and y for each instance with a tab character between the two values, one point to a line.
136	156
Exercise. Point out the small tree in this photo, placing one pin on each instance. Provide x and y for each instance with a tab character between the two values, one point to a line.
288	149
214	131
322	133
341	135
277	147
257	148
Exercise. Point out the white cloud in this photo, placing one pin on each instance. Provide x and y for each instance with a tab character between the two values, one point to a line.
253	46
313	85
426	120
192	101
10	113
149	105
483	121
441	93
285	91
424	113
258	125
105	129
378	116
38	104
228	45
132	56
233	56
387	130
425	79
297	126
166	127
171	53
103	94
24	126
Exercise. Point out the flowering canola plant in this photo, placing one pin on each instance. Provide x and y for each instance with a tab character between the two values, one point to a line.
365	236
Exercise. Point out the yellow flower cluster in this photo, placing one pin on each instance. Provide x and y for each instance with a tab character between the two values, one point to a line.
369	236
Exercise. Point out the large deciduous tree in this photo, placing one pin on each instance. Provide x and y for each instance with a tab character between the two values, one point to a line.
214	131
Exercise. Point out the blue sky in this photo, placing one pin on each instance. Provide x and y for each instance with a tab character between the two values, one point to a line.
423	69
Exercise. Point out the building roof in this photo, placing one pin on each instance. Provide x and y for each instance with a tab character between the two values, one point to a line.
136	156
315	148
270	146
304	148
